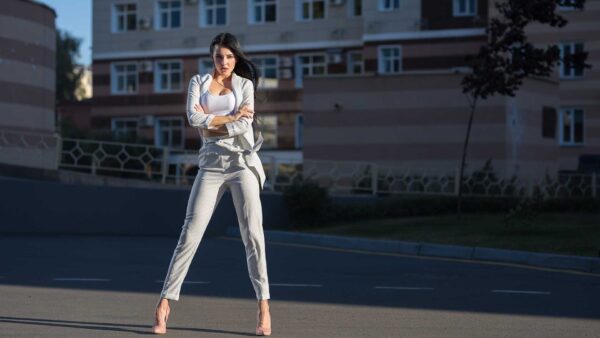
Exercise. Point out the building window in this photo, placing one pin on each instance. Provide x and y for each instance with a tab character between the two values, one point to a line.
124	78
205	65
464	7
309	65
262	11
567	49
389	5
571	126
125	128
299	137
389	60
566	5
168	14
355	63
355	8
269	131
310	10
168	132
124	17
167	76
268	71
549	115
213	13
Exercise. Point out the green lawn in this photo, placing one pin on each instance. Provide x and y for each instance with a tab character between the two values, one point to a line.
570	234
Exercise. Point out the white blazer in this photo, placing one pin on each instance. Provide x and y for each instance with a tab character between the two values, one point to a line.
241	130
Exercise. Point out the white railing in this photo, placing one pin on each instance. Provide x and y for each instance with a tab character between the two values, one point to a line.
166	165
27	139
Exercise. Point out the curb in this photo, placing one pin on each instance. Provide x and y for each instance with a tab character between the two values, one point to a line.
554	261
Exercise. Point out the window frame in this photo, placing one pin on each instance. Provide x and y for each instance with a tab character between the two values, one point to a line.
114	24
158	131
157	73
561	70
572	142
113	78
202	19
351	5
468	11
299	66
158	12
251	19
262	72
350	63
299	4
382	6
116	132
381	61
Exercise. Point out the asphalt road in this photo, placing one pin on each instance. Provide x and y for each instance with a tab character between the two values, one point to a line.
108	286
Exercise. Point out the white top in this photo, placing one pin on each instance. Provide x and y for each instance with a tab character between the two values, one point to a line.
219	105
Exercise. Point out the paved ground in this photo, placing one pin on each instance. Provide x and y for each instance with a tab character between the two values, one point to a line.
107	287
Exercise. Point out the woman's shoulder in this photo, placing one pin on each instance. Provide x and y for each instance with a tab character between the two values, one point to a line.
200	78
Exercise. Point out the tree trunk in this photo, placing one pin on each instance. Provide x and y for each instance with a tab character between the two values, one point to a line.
464	157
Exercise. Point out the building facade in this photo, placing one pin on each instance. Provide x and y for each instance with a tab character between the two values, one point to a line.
27	85
321	61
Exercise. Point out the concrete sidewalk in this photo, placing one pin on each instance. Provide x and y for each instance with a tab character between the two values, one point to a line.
555	261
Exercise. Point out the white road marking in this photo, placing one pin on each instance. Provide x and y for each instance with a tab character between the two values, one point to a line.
82	279
401	288
297	285
187	282
523	292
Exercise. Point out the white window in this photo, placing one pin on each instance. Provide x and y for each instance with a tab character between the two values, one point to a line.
205	65
124	78
168	14
355	63
299	137
262	11
569	71
124	17
355	8
389	5
124	128
389	60
268	71
309	65
571	126
167	76
464	7
566	5
310	10
168	132
213	13
269	131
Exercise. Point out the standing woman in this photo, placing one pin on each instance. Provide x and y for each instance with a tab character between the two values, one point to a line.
221	105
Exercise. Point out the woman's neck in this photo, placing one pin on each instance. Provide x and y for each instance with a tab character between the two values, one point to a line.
222	77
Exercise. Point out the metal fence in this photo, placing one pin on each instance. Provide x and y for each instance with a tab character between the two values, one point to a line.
171	166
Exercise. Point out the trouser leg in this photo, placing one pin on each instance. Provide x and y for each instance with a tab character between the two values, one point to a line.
206	192
245	192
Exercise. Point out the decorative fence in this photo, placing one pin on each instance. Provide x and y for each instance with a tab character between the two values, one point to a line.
166	165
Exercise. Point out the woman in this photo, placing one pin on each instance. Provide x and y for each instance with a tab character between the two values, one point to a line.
221	106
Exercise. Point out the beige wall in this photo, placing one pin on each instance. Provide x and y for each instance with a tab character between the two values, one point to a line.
419	120
27	85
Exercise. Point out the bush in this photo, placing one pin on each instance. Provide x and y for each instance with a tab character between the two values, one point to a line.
306	203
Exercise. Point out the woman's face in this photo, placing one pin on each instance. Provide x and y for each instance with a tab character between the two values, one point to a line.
224	60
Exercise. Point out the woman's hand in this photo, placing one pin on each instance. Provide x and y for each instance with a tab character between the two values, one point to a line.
244	111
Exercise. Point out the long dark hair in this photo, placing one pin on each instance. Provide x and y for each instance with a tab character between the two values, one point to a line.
243	66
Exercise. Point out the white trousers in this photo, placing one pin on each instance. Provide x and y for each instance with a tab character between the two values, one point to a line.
206	192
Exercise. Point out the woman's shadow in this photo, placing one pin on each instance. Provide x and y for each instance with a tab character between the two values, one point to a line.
130	328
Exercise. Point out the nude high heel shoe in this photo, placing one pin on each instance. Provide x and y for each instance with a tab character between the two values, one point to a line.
160	321
263	327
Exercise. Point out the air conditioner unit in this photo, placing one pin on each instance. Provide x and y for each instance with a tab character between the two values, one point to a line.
336	2
146	66
286	61
334	56
145	23
286	74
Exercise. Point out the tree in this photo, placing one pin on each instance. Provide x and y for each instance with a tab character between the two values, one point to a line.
508	57
68	72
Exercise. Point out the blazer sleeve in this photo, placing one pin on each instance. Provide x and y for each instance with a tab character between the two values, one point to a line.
240	126
196	119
